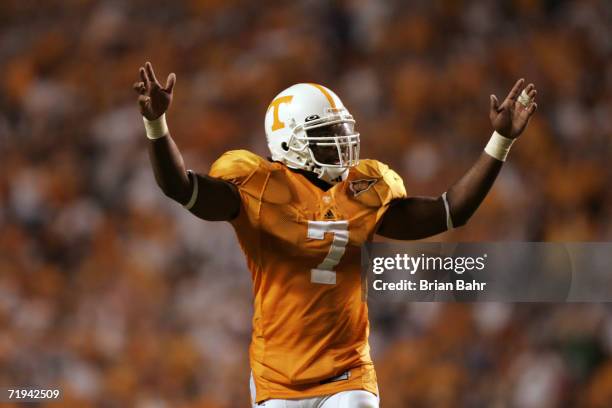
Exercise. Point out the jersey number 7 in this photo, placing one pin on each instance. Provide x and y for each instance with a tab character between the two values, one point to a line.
324	273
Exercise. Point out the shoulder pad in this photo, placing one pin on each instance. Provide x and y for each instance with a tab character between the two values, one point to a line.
236	166
389	185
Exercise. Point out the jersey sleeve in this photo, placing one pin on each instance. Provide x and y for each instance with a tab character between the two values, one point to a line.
392	183
390	187
249	173
238	167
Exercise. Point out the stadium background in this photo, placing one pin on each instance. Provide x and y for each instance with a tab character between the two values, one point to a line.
113	292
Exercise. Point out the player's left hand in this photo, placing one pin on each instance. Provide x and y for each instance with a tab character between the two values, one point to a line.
511	117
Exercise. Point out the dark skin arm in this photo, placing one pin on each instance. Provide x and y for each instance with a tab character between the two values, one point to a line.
422	217
218	200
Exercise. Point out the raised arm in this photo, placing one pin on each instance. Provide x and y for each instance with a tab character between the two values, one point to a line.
421	217
217	200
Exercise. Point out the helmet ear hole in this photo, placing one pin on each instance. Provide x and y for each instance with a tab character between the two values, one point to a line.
285	146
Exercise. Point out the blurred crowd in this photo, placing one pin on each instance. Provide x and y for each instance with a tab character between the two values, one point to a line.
123	299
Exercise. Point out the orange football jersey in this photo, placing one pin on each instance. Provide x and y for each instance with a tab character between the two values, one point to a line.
302	246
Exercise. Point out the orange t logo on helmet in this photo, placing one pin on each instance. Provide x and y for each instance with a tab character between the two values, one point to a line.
277	124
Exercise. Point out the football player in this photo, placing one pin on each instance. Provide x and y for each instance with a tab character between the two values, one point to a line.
301	216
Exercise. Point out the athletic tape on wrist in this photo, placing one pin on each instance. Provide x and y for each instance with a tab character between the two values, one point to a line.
156	128
499	146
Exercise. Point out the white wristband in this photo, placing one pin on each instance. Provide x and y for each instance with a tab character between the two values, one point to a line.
499	146
156	128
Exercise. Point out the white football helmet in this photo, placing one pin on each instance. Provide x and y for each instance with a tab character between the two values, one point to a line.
300	109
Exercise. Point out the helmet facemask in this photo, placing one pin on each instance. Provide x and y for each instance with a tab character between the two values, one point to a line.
330	144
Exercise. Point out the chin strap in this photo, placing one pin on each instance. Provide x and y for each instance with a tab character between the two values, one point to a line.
332	175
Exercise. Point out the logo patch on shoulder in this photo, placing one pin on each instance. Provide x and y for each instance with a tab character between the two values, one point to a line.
362	185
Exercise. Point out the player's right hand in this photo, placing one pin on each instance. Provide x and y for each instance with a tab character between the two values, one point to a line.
153	100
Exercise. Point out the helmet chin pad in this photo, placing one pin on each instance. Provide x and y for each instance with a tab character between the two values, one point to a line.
331	175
